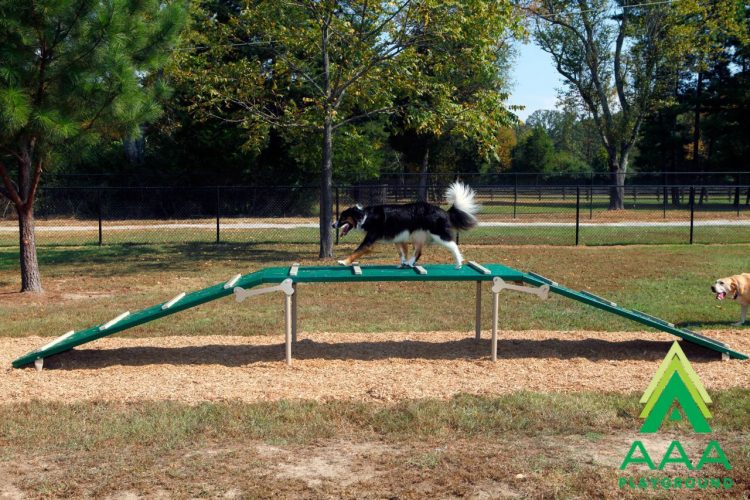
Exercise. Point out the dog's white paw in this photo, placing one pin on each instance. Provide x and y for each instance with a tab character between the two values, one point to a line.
342	263
458	266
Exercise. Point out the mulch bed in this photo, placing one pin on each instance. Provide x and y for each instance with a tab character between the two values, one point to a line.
355	366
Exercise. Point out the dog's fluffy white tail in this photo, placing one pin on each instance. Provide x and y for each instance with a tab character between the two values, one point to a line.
463	207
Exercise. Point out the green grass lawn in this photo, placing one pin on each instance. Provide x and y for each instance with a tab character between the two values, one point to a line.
483	235
87	285
535	445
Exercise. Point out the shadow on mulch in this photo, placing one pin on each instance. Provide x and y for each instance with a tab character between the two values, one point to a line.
593	349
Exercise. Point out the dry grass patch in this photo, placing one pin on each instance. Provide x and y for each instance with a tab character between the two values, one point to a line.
521	444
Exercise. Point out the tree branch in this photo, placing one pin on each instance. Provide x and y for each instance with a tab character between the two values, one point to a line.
339	92
619	82
377	29
553	17
34	184
9	192
592	61
363	115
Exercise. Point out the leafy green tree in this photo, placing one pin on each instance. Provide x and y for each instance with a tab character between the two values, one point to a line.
323	67
608	53
559	126
458	97
578	148
73	72
319	66
700	118
535	153
699	36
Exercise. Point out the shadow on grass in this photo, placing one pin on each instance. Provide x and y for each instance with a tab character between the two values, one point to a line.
127	258
466	349
713	324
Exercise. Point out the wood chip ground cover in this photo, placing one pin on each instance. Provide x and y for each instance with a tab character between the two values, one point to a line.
383	367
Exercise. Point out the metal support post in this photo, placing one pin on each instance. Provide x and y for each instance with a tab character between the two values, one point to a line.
692	213
290	315
294	313
288	323
478	327
99	210
495	308
578	213
218	214
498	285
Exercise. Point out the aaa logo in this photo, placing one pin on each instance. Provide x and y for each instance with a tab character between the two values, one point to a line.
675	386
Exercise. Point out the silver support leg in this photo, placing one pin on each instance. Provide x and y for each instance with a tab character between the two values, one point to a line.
495	307
294	314
288	322
478	327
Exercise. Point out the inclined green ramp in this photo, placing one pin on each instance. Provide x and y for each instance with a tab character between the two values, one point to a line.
634	315
65	343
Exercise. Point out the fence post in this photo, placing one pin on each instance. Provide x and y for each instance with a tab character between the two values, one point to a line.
515	197
337	214
578	212
218	214
737	200
664	201
99	210
692	212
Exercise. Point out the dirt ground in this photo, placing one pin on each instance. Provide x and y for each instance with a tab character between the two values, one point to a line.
371	367
343	469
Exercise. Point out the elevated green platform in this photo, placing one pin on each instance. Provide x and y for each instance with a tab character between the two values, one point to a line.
282	276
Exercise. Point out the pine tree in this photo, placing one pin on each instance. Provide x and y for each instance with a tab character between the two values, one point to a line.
73	72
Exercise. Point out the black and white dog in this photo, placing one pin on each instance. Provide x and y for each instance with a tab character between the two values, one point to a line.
417	223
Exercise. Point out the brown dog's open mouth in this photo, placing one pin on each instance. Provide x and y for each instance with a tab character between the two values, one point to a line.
721	295
345	227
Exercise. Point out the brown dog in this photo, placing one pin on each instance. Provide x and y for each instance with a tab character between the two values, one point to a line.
738	288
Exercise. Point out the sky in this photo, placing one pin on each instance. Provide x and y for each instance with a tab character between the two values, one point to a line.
535	80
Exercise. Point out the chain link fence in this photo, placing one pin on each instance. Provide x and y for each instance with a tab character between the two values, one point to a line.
515	214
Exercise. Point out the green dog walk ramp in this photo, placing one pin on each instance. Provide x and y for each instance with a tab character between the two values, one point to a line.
285	278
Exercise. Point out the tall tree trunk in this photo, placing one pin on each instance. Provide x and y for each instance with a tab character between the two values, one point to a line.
617	169
697	124
22	195
326	171
31	280
326	191
422	190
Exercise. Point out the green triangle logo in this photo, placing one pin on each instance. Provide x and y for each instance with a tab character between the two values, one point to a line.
674	387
